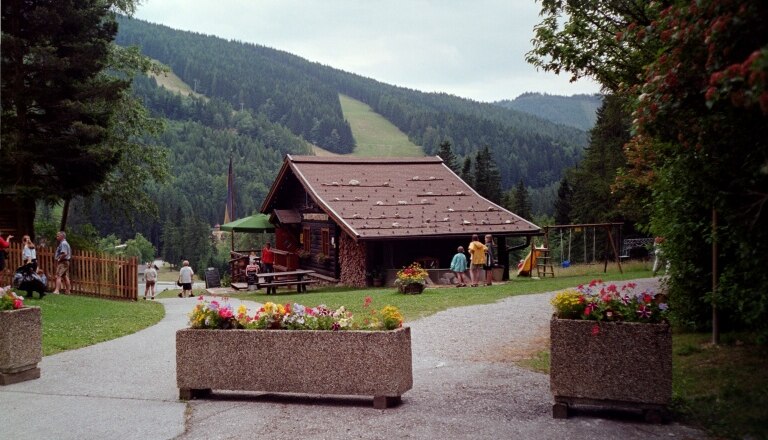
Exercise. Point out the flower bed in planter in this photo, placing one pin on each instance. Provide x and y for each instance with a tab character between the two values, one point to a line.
411	279
21	344
295	349
410	288
615	364
367	363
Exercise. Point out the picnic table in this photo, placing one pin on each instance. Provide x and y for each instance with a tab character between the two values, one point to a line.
272	280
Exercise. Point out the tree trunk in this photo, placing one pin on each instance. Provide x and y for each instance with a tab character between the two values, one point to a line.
64	215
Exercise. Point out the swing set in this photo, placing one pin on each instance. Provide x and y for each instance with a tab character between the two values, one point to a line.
563	230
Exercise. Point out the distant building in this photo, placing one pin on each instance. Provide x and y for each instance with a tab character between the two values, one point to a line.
346	216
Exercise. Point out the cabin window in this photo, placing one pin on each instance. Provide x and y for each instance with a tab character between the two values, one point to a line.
306	240
326	241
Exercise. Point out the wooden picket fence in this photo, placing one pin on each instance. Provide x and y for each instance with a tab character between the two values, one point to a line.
90	273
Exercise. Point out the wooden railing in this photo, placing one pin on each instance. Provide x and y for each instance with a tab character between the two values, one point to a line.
90	273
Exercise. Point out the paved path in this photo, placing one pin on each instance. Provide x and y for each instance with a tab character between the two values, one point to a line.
465	386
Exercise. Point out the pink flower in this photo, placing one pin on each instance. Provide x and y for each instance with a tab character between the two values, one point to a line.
644	312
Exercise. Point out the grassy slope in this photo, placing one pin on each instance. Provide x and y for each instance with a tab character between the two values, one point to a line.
375	136
173	83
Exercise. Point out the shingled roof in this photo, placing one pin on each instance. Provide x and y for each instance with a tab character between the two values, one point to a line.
374	198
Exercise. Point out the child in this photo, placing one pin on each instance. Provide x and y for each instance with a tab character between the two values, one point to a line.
150	278
459	266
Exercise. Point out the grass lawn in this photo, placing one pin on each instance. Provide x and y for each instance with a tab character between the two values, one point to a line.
374	135
434	300
71	322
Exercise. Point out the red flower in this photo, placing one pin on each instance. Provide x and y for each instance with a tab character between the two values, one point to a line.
368	301
18	303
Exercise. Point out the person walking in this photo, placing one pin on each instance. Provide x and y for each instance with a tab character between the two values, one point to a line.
459	266
489	260
268	258
150	278
659	255
185	278
62	257
477	259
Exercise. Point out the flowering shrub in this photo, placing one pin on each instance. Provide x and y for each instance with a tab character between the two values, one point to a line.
598	301
9	300
218	315
412	274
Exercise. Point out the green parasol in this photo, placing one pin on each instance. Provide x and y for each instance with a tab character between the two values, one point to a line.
254	223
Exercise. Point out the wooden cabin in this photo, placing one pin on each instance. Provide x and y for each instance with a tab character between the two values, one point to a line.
346	217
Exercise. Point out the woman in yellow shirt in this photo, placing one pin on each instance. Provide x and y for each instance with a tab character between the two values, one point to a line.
477	256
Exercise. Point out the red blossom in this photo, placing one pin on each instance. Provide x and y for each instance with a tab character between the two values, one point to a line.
710	93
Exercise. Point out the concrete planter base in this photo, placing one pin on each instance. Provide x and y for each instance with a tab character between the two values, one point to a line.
21	344
367	363
616	364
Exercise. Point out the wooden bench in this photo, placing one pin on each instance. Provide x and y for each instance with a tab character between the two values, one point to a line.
301	286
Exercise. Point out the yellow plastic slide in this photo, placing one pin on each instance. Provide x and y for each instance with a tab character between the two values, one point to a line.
525	267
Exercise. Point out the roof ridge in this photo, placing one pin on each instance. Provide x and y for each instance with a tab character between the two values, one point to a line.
360	159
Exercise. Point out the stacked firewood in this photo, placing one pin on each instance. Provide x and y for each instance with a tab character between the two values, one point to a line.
352	262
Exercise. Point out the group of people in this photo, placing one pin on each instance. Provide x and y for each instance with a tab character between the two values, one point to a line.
29	276
481	259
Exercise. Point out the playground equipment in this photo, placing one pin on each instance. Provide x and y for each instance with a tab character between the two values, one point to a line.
542	253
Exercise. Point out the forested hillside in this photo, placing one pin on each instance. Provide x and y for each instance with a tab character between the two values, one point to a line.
578	111
303	97
201	136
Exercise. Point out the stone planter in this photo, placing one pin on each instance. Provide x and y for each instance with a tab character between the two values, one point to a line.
21	344
411	288
611	364
367	363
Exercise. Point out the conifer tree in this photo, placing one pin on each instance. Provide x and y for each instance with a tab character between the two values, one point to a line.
521	201
448	157
466	172
563	204
487	177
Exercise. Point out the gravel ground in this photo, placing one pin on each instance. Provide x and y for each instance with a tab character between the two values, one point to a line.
466	386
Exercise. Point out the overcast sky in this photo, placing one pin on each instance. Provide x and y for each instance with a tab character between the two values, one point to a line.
473	49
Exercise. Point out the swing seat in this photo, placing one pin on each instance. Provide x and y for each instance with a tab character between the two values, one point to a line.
566	264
